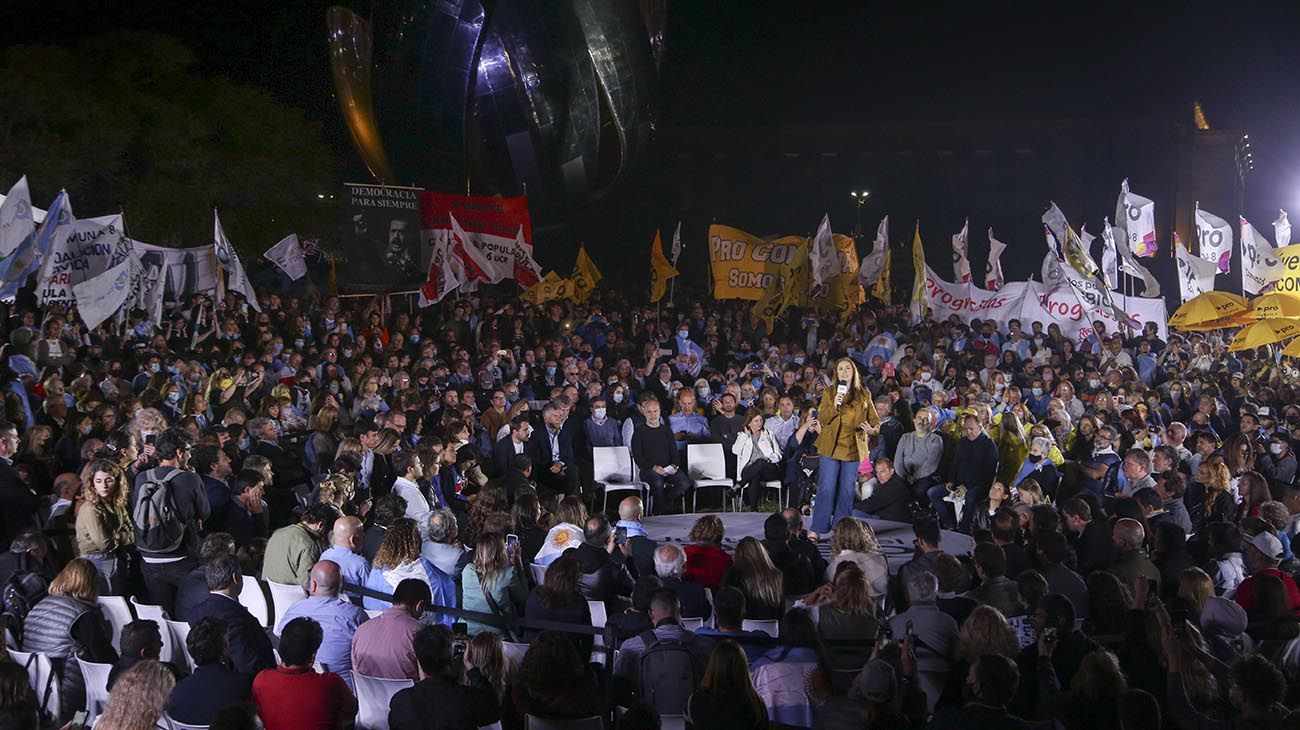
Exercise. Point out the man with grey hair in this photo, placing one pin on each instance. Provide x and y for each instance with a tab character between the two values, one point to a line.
440	545
1131	561
670	563
917	457
551	449
935	632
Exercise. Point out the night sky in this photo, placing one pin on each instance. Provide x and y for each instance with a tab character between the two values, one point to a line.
737	63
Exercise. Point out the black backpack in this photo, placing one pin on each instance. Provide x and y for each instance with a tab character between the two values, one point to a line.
158	524
24	589
667	674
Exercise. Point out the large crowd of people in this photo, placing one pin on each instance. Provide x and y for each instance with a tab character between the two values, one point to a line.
1127	503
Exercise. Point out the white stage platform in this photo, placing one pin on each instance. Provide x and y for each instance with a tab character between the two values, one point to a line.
895	537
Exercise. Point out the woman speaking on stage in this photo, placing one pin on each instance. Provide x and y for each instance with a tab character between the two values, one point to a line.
848	419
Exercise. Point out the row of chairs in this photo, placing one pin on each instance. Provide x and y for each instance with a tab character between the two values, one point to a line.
614	472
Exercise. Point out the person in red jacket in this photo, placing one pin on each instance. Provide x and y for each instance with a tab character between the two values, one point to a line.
706	561
293	696
1262	553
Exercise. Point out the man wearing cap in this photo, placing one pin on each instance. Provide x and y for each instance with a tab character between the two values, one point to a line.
1262	553
1284	463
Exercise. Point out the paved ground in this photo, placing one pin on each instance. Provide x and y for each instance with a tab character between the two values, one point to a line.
895	537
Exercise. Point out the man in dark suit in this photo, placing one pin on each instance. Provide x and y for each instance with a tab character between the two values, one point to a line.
516	443
290	470
18	503
213	685
441	694
213	466
249	646
551	449
670	563
992	681
795	568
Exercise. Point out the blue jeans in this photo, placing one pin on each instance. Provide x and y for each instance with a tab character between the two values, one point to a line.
941	508
111	572
836	483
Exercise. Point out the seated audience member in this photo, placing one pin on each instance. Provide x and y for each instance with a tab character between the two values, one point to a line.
450	696
441	546
386	510
558	599
293	696
706	561
935	631
795	677
665	615
845	611
799	541
293	550
605	575
140	698
992	681
398	559
636	618
337	617
140	640
193	588
729	620
554	683
995	588
249	646
213	685
381	646
670	565
630	512
889	496
726	697
797	572
761	582
493	584
855	540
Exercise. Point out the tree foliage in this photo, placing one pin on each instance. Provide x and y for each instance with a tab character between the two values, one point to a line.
124	122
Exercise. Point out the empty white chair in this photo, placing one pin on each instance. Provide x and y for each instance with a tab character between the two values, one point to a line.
157	614
373	696
708	469
253	597
282	597
533	722
613	473
539	573
598	617
180	631
41	676
514	655
771	627
692	624
177	725
96	676
118	613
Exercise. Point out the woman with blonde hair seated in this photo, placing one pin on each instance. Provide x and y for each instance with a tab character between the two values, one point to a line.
139	698
855	540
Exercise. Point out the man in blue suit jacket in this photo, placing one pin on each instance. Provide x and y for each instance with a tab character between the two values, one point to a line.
551	448
213	685
250	647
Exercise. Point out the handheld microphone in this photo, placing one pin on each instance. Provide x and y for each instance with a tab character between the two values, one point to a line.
841	390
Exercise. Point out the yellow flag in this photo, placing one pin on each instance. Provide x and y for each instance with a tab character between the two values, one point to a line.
549	288
584	278
660	270
884	288
918	288
770	304
1077	255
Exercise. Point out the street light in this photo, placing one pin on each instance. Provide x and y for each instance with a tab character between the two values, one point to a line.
861	198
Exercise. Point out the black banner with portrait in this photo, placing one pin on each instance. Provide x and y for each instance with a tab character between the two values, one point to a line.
381	240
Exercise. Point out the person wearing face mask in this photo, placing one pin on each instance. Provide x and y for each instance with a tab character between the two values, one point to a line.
1040	468
599	428
1284	462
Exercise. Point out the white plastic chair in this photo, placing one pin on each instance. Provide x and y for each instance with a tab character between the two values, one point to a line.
776	484
692	624
253	597
708	469
118	613
179	632
373	612
771	627
178	725
599	618
514	655
672	722
157	614
708	620
282	597
373	696
41	676
96	676
612	472
539	573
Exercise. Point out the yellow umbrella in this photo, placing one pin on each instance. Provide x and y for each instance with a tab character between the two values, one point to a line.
1240	319
1276	304
1206	307
1264	332
1293	348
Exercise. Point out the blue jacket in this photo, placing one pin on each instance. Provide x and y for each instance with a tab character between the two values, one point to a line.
250	647
211	687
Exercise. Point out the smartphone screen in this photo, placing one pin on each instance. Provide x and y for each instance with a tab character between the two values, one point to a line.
620	535
79	719
512	545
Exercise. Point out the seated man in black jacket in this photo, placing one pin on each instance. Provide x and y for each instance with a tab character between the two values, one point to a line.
795	568
194	586
889	495
605	575
799	542
442	694
213	685
249	646
670	563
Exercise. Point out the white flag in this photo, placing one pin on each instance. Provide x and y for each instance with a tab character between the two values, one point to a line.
1053	273
993	277
16	220
228	260
1282	230
1215	238
1137	216
960	259
1054	219
677	243
824	257
874	262
1109	255
100	297
287	254
1258	260
1129	265
1195	274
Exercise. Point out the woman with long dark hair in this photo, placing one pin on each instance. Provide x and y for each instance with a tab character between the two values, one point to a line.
558	599
848	418
726	697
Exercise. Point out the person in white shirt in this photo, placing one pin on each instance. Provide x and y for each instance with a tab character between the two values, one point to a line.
757	458
785	422
408	468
